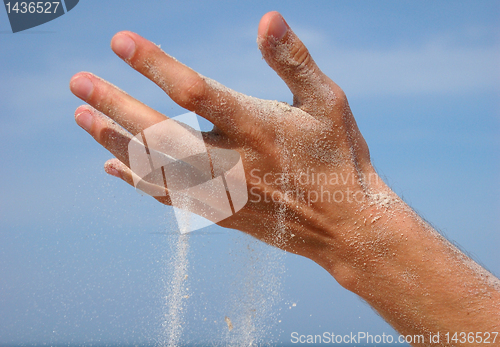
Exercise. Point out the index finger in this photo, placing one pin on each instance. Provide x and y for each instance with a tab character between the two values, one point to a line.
190	90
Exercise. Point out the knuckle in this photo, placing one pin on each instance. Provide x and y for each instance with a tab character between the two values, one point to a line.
341	96
192	91
337	97
301	58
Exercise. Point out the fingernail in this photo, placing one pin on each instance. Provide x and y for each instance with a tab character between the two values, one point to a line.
277	27
123	45
82	87
111	170
85	120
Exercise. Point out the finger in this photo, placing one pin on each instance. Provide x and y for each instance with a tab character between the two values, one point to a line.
115	167
109	134
183	143
187	88
116	104
166	137
289	57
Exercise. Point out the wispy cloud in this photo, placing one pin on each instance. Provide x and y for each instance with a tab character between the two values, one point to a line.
414	70
447	63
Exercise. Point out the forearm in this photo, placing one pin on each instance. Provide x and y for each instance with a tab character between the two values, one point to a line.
411	275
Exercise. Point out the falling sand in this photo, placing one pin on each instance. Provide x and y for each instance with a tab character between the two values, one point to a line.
175	300
176	289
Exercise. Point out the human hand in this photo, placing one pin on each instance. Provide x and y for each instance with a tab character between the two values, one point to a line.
308	170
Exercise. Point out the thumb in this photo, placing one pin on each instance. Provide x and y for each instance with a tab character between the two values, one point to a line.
289	57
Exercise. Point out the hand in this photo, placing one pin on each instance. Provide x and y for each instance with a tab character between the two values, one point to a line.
283	148
311	187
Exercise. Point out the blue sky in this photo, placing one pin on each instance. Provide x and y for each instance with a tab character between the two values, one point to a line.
83	257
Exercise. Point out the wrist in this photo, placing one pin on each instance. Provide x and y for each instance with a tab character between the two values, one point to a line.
370	236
